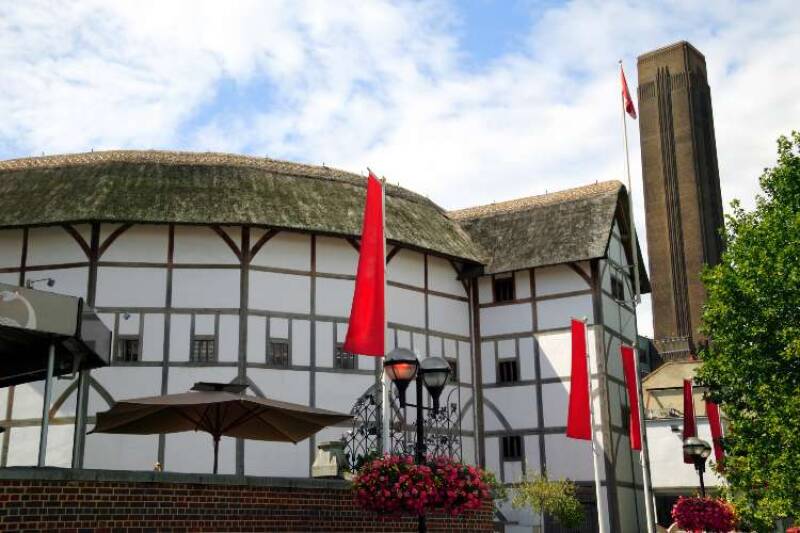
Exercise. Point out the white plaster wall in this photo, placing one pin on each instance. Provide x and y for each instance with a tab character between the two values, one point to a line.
200	244
506	349
555	399
325	344
131	287
557	279
10	248
126	382
179	337
256	339
205	288
129	325
568	458
9	278
338	391
555	352
182	379
464	363
23	446
300	342
407	267
531	452
488	363
558	312
69	281
285	385
405	307
284	250
270	291
527	359
334	296
139	243
53	244
228	339
336	256
517	404
448	315
505	319
442	277
492	452
153	341
485	292
522	284
668	471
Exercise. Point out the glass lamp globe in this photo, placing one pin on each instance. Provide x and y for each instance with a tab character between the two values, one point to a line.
401	366
435	372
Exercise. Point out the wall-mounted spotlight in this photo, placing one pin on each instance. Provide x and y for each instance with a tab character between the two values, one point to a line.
31	282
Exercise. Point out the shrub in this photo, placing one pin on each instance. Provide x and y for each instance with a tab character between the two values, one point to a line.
554	498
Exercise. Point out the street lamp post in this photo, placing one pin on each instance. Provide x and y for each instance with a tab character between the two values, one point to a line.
698	450
402	366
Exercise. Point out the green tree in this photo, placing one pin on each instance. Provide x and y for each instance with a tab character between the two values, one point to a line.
555	498
752	364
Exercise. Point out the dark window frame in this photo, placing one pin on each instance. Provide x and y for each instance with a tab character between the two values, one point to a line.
453	362
507	371
287	357
511	448
617	287
344	360
504	289
123	345
204	355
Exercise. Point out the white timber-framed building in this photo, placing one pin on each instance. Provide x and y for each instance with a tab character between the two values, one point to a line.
215	267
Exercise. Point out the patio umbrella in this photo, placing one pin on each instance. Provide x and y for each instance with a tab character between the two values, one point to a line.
218	409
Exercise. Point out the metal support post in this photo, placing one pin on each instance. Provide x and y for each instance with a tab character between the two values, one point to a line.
48	393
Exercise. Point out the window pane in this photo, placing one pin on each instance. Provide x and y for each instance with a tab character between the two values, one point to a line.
508	372
279	352
344	359
504	289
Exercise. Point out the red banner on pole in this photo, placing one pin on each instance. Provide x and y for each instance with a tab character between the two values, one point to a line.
366	329
689	422
712	411
627	101
629	368
579	422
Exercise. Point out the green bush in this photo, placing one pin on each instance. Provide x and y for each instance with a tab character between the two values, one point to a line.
555	498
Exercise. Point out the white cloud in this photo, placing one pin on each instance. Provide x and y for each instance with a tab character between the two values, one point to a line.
382	84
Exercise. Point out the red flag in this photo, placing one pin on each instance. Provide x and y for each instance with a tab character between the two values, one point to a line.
689	423
629	368
627	101
366	329
579	421
712	411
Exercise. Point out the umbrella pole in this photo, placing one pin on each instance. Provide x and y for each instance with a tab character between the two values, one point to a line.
216	452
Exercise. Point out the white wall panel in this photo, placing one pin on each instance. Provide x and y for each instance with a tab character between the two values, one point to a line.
300	343
229	338
405	306
338	391
485	290
279	292
69	281
256	339
200	244
532	452
334	296
204	324
11	248
557	279
492	451
512	471
436	346
336	256
555	352
341	331
282	459
568	458
153	341
23	446
505	319
517	404
403	339
555	398
284	385
53	244
556	313
179	337
284	250
448	315
325	344
522	284
464	362
442	277
205	288
279	328
131	287
419	344
488	363
506	349
59	445
407	267
140	243
9	278
527	360
127	382
129	325
181	379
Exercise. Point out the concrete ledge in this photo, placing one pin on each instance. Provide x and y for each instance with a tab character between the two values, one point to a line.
135	476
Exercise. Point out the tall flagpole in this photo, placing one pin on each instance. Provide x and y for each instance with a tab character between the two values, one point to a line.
649	502
598	490
386	407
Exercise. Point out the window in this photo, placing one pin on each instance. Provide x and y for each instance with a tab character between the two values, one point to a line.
504	289
344	359
128	349
512	448
278	352
204	350
617	288
453	378
507	372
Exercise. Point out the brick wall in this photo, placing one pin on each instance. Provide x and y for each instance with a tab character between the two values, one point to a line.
92	500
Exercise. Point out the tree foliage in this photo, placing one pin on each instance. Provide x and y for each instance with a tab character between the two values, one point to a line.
555	498
752	364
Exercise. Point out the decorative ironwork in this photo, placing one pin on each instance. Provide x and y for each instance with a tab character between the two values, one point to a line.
363	440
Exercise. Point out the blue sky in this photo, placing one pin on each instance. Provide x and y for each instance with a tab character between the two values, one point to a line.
467	101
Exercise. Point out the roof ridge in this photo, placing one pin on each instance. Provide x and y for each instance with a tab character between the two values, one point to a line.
520	204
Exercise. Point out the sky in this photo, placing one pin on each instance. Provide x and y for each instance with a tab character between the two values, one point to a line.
468	102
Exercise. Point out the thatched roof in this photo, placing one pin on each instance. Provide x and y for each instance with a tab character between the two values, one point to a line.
560	227
212	188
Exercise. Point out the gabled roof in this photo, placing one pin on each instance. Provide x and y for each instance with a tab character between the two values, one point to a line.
561	227
213	188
